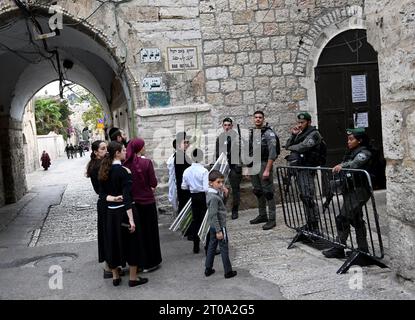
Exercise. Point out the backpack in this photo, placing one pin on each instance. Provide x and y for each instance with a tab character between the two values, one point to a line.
317	156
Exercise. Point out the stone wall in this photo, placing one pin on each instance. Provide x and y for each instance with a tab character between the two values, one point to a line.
161	24
158	128
391	30
31	154
260	54
14	179
53	144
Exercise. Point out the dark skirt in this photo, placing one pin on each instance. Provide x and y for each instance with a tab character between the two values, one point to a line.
133	244
115	238
101	209
148	235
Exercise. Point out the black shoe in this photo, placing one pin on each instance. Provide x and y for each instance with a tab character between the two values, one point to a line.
190	237
269	225
334	253
116	282
230	274
139	281
258	219
209	272
234	215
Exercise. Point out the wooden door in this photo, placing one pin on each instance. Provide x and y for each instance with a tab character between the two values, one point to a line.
348	96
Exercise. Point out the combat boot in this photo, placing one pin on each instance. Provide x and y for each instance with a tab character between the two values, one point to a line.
269	225
259	219
234	213
334	252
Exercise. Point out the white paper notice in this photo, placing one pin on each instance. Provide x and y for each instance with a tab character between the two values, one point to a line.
359	93
361	120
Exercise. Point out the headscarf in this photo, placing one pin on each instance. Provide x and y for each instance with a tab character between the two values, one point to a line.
134	146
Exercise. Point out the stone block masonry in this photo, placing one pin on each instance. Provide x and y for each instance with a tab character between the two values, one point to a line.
256	53
392	33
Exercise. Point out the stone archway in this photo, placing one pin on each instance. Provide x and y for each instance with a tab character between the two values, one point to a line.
313	44
26	67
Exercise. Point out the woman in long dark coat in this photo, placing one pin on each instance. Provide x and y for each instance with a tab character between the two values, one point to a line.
98	152
120	241
144	184
45	160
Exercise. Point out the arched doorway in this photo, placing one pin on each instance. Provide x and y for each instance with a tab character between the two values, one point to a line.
348	95
78	53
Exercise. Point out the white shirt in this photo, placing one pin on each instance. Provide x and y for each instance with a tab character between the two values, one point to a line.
195	178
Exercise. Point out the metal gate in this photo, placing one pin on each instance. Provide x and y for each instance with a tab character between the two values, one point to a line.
335	209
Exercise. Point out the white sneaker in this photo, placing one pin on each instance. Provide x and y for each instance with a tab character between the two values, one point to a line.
151	269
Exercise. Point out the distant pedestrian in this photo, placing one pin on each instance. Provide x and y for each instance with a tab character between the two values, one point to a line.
80	150
71	150
143	188
45	160
68	151
217	222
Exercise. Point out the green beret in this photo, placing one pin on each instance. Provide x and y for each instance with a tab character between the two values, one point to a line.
304	116
357	131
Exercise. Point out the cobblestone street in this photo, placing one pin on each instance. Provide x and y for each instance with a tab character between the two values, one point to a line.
74	220
266	269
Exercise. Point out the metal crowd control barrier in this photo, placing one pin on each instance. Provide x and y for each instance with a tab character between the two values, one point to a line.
333	209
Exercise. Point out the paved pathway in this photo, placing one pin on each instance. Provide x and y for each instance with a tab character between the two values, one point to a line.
67	238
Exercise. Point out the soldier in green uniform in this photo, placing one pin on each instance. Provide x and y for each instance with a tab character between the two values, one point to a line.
356	192
304	145
263	182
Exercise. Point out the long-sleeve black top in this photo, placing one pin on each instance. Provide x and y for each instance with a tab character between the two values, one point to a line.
119	183
229	143
94	177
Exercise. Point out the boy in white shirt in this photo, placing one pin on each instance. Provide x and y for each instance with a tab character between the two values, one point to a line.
195	179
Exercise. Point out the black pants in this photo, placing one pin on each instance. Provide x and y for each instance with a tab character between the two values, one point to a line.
198	211
182	196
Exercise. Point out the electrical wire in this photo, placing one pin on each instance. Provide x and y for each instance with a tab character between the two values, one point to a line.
83	20
17	53
346	43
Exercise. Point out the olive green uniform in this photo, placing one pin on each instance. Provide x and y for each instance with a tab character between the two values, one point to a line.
264	189
304	152
356	192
